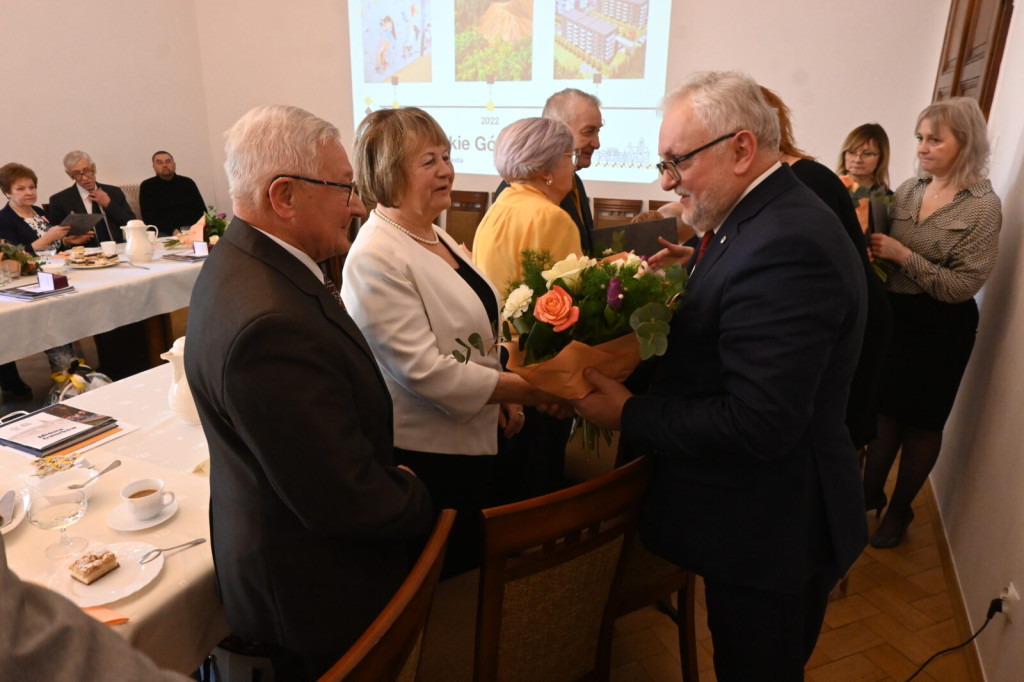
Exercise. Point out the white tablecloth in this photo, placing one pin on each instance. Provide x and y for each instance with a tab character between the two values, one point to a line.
105	299
177	619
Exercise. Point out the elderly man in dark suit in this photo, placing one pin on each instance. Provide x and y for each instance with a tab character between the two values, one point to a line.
89	196
756	482
581	111
311	519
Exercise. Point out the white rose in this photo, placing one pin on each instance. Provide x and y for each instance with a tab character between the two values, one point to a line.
518	302
568	270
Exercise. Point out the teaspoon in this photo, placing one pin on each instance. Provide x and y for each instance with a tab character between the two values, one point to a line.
154	553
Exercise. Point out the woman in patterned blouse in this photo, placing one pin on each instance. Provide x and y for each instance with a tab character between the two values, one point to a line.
944	237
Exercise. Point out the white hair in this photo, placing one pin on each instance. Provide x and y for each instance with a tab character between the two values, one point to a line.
726	102
271	140
530	147
71	158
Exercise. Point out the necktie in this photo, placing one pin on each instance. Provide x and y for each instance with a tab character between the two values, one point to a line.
704	241
333	290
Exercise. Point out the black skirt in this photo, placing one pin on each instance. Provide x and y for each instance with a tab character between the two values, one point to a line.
931	344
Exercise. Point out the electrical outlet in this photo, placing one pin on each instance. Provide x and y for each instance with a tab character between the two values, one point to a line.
1011	600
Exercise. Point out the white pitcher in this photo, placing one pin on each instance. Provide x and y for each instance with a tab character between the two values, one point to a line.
180	395
140	241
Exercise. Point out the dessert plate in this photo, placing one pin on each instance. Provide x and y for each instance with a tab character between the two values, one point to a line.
120	517
92	266
20	510
125	580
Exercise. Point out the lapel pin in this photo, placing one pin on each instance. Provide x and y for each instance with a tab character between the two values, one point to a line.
724	237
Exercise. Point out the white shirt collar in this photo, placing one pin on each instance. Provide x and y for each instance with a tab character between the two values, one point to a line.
86	201
302	256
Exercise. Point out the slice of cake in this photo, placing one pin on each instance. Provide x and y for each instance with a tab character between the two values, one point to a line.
91	566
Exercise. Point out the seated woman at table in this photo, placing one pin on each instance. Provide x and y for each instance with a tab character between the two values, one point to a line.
414	292
535	156
22	222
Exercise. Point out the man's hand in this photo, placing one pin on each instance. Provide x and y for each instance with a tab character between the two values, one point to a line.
100	197
603	407
670	255
79	239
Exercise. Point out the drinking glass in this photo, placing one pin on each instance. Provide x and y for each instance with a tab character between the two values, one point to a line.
59	511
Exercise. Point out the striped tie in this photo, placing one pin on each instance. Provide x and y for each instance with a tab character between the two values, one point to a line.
333	290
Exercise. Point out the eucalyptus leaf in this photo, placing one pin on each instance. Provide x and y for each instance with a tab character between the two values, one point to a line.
459	356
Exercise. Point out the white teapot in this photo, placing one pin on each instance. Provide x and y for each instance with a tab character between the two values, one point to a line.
180	395
140	241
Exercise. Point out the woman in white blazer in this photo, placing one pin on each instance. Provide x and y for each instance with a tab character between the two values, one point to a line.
414	292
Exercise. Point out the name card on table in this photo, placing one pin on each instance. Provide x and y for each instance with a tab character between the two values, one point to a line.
51	282
201	248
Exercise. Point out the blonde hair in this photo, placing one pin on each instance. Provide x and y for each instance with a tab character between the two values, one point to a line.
384	141
967	123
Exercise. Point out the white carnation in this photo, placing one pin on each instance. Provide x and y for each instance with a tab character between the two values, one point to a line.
518	302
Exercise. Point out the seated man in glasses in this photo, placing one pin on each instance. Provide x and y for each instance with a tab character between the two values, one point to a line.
89	196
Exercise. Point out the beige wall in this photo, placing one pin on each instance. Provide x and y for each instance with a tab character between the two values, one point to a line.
979	479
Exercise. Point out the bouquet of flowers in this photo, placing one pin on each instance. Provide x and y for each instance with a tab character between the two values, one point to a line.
209	228
861	197
27	263
581	312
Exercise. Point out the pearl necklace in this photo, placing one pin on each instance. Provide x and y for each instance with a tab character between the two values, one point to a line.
389	221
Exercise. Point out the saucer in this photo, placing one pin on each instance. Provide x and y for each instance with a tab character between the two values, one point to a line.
120	518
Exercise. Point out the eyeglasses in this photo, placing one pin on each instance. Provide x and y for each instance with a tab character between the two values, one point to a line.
78	175
671	167
575	154
351	188
867	156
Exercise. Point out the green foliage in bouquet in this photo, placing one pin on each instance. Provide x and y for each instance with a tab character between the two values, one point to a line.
17	252
590	301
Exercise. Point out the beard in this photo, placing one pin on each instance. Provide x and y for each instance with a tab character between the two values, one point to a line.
707	212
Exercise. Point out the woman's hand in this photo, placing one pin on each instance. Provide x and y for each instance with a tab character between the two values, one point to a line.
885	247
511	419
670	255
78	239
51	238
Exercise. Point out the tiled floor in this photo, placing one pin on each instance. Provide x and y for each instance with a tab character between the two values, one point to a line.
899	609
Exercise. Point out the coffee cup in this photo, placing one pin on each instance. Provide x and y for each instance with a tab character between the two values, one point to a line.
146	498
108	248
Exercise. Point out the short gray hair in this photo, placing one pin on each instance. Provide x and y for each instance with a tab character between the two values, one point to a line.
271	140
531	146
557	106
71	158
728	101
967	123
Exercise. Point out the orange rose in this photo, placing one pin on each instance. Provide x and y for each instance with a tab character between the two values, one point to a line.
556	308
849	183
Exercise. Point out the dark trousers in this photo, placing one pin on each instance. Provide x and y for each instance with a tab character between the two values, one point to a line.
462	483
763	635
532	462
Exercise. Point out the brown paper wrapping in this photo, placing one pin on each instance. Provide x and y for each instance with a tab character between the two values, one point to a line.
562	375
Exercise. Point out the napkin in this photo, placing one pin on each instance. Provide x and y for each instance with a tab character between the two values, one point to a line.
105	615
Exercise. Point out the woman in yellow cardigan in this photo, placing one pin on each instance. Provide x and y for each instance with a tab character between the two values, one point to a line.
535	156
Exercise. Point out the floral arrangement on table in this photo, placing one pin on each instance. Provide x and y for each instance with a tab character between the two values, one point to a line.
16	252
209	228
581	312
861	197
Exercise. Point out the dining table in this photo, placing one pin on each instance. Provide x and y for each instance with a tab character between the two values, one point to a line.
173	613
104	298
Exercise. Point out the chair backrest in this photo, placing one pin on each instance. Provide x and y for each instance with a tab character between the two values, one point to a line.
131	194
390	647
612	212
655	204
466	212
550	566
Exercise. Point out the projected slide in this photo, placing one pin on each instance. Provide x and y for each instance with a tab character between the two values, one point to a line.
478	65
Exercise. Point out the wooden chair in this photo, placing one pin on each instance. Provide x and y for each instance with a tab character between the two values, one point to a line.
466	212
648	579
655	204
551	565
612	212
389	650
131	195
